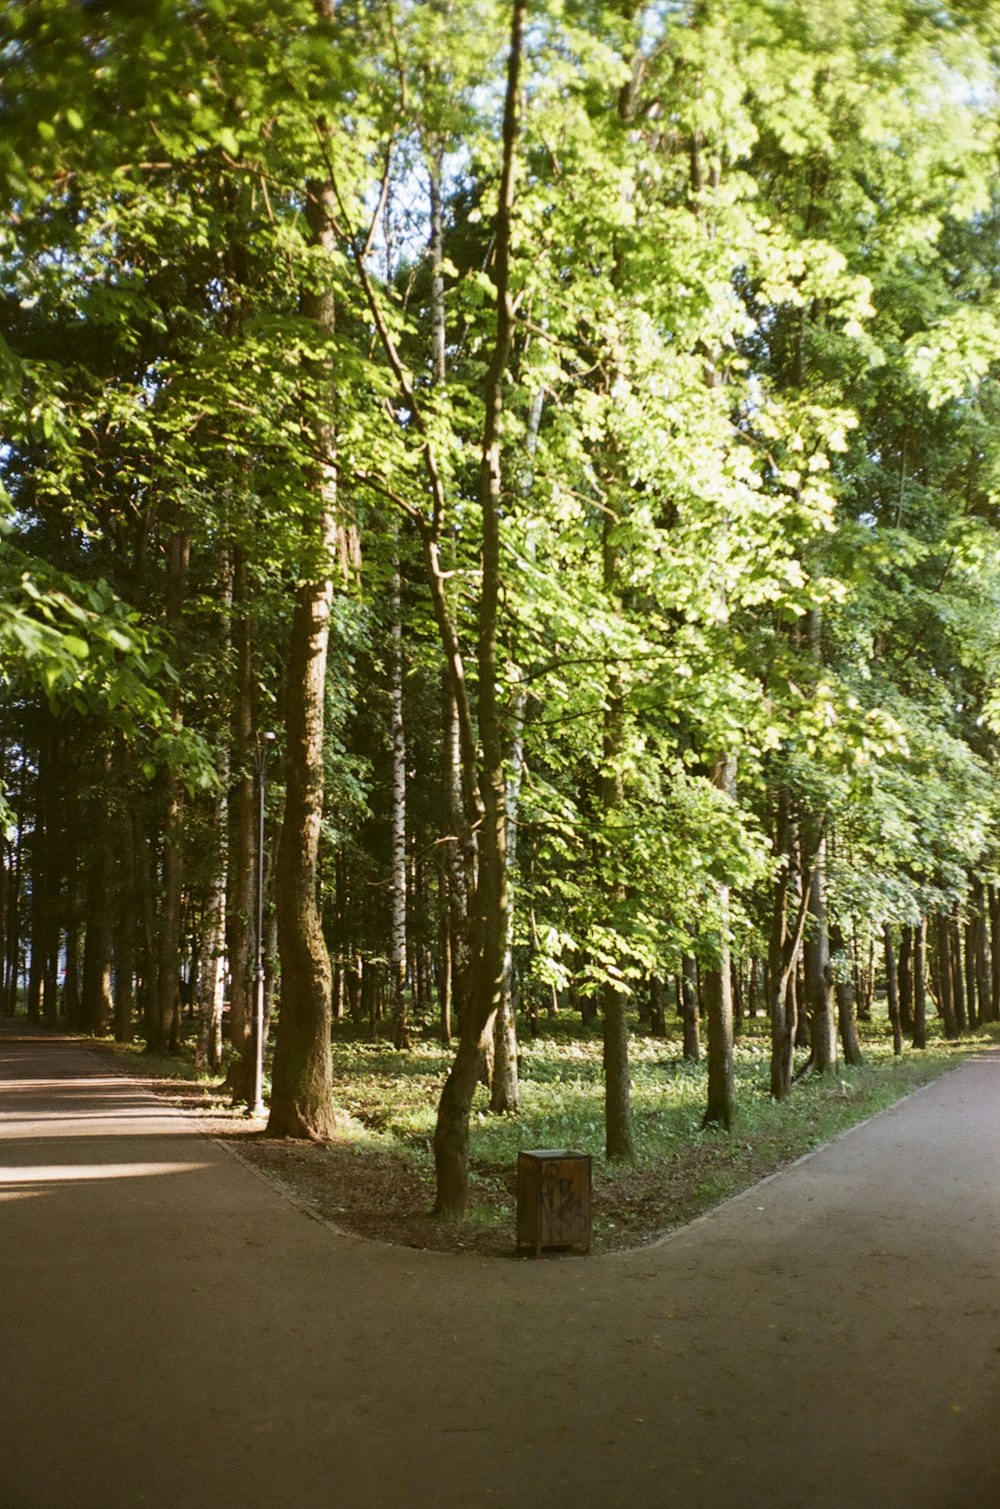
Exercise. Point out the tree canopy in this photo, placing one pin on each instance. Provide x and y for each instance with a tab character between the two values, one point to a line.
603	396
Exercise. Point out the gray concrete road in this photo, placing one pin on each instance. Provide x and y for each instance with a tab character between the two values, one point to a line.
174	1334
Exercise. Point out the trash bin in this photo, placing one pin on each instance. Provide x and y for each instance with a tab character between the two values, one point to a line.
553	1199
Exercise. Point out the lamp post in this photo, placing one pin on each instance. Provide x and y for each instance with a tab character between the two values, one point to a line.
255	1100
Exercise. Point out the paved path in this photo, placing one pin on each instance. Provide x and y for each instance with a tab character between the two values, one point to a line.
175	1334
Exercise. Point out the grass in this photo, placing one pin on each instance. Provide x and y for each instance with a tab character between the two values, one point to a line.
379	1177
679	1169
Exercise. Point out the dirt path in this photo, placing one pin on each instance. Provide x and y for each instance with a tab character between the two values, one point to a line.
176	1334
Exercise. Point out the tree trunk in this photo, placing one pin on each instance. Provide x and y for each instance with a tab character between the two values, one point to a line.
892	990
211	981
147	914
844	990
451	1136
95	998
969	952
947	995
964	980
690	1013
617	1082
399	1026
166	1022
782	953
302	1078
13	928
504	1089
816	956
920	985
721	1107
242	847
906	982
982	968
41	848
460	863
444	950
994	909
657	1010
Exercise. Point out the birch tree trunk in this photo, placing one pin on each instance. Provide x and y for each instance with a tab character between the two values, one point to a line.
242	842
399	1027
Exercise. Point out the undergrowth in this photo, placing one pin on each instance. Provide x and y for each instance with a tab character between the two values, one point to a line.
389	1101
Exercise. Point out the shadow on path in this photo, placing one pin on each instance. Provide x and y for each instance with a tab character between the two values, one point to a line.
175	1334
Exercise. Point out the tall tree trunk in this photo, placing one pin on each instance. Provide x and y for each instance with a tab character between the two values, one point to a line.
504	1089
721	1107
242	846
302	1078
166	1030
844	990
461	857
892	989
149	962
458	871
95	999
964	978
211	981
783	946
920	984
399	1026
124	935
41	905
994	910
617	1083
982	968
947	996
444	947
906	981
690	1012
451	1136
13	930
657	1009
969	960
816	955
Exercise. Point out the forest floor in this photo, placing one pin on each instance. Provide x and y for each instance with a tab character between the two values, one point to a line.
377	1179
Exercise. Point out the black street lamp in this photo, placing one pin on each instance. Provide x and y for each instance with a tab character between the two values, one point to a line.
255	1100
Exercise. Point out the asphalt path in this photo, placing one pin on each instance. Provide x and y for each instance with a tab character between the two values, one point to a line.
176	1334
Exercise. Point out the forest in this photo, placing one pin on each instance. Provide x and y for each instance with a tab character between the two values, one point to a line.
499	527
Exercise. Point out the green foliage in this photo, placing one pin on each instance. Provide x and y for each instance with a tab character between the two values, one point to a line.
750	455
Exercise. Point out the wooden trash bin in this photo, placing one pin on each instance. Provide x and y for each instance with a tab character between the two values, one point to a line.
553	1199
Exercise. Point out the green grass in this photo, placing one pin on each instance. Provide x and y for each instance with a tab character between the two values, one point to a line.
679	1169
